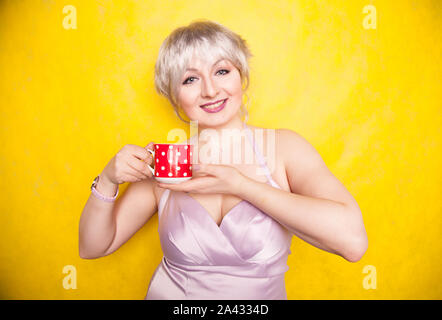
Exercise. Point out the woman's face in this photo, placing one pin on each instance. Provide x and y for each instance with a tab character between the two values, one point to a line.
210	82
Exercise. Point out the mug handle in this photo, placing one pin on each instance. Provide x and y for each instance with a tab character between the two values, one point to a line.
152	152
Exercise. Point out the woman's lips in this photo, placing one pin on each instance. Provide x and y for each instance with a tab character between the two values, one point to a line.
217	109
208	104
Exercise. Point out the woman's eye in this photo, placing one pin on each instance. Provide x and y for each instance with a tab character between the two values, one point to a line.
227	71
187	80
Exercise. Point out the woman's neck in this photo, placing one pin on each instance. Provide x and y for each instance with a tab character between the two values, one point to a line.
220	139
233	125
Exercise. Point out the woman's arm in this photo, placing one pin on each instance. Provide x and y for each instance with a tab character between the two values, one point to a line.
318	207
104	227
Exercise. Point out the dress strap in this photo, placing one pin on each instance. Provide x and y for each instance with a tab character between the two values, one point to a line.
162	201
261	158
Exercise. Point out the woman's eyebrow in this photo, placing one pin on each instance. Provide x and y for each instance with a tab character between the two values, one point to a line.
194	69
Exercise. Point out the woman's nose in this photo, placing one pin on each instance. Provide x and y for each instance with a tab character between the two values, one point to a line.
209	88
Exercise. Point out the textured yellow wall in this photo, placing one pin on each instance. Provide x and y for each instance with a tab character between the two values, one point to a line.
369	100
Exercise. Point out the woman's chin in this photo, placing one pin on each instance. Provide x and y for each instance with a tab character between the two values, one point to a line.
217	119
217	122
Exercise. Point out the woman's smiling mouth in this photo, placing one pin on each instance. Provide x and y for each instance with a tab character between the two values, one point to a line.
215	107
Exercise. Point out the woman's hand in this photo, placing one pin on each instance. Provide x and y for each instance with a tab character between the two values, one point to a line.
210	178
130	164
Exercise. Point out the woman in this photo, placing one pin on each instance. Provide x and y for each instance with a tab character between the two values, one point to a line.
225	233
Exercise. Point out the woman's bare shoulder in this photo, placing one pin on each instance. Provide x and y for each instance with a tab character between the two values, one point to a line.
283	136
289	136
296	151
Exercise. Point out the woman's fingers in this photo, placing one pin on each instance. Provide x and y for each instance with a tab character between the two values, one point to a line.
130	177
139	168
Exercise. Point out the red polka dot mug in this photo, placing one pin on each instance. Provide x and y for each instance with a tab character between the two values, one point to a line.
172	162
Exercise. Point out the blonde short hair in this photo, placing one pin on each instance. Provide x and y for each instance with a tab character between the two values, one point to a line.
212	41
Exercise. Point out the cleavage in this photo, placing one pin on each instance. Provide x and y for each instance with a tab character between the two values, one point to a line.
216	205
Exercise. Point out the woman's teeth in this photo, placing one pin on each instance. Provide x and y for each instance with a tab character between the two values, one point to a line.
213	106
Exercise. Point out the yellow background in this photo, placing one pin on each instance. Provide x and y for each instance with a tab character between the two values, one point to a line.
369	100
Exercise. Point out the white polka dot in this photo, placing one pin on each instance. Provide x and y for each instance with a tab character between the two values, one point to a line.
190	153
178	153
158	160
170	174
162	168
190	168
157	147
185	160
185	174
170	147
170	160
163	153
185	147
158	174
178	168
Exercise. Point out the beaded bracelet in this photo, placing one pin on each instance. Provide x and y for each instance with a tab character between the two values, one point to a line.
99	195
104	198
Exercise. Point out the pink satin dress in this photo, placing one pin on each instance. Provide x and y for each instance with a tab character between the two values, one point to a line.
243	258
